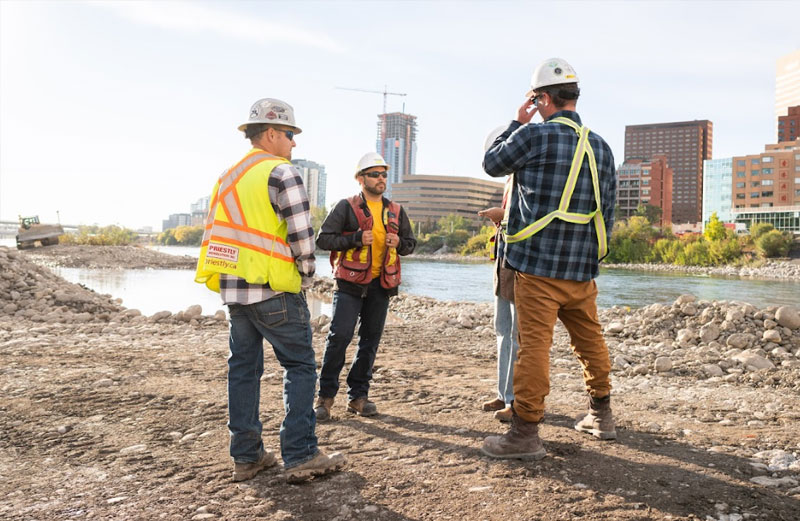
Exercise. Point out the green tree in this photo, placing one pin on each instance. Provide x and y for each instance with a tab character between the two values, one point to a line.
188	235
451	223
649	212
480	244
759	229
167	237
318	215
715	230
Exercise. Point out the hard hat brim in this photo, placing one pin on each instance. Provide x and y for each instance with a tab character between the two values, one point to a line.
243	126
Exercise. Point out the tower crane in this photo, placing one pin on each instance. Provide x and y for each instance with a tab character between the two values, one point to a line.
385	93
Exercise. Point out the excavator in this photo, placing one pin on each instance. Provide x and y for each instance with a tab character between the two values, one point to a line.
32	233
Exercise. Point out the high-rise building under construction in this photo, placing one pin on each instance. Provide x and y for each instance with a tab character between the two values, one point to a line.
397	143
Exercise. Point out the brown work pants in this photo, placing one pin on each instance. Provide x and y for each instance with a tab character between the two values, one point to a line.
540	301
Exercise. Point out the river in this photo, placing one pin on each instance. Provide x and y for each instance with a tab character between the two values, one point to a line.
154	290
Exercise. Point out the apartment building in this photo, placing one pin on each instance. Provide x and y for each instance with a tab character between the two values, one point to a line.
397	143
685	144
789	125
645	182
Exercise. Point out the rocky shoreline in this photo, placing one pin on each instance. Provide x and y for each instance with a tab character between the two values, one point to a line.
770	270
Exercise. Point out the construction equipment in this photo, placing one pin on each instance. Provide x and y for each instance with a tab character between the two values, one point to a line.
385	93
32	233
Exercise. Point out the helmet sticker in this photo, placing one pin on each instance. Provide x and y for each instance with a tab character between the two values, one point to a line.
557	71
253	112
278	109
271	115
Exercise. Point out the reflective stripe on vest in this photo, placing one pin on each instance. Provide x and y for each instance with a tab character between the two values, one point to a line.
243	235
584	149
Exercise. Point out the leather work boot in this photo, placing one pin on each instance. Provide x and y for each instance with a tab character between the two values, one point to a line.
244	471
323	408
599	422
521	441
504	415
494	405
362	407
319	465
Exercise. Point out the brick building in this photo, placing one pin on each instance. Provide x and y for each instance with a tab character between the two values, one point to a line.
645	182
789	125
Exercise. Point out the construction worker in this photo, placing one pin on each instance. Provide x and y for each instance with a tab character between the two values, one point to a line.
258	253
366	233
561	209
505	314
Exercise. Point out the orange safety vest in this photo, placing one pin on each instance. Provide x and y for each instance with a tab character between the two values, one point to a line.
355	265
243	235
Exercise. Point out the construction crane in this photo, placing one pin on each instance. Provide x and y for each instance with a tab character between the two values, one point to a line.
385	93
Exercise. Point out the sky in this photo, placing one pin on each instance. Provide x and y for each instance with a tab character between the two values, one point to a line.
126	112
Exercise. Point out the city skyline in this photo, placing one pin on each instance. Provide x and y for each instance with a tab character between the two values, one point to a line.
125	112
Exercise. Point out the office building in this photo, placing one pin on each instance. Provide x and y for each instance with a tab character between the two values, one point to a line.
428	198
717	189
686	145
199	210
787	83
789	125
175	220
645	182
397	143
315	180
766	186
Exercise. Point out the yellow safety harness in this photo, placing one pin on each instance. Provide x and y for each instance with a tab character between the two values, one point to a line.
583	149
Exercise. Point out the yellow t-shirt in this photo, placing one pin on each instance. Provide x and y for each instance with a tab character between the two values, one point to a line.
378	237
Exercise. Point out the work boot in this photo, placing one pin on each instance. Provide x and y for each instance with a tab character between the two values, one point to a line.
323	408
362	407
599	422
521	441
494	405
504	415
319	465
244	471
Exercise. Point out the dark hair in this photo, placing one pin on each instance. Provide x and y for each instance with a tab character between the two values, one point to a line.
562	93
251	131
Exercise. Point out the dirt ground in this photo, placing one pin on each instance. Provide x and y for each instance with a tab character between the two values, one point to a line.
126	421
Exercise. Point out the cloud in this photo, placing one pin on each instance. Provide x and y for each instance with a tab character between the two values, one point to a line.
196	18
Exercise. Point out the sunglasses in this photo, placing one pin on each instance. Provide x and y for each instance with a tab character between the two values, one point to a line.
375	175
289	134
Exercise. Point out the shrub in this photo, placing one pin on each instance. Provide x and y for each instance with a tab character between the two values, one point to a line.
759	229
773	244
665	250
480	244
456	240
430	244
695	253
96	236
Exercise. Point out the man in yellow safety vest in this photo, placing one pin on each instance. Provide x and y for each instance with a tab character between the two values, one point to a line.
258	253
561	207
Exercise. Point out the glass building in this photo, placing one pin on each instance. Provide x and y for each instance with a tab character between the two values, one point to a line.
717	189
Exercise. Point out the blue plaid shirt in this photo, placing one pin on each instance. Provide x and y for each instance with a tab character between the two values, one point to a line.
540	156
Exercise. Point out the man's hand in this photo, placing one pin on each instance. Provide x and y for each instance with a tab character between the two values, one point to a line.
526	112
366	237
392	240
495	214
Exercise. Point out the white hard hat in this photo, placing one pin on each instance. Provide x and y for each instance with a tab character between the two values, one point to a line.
369	160
552	72
272	112
493	135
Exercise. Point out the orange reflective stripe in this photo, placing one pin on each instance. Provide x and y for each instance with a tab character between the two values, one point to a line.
252	231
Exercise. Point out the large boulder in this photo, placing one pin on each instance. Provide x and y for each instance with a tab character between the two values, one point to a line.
788	316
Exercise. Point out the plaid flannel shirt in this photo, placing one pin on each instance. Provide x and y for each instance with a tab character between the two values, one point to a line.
289	200
540	156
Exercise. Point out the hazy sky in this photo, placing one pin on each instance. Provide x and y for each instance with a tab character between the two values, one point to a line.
125	112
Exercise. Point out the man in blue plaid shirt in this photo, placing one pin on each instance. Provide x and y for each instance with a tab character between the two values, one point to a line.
555	260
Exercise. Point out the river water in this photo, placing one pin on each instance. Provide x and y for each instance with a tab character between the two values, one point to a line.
154	290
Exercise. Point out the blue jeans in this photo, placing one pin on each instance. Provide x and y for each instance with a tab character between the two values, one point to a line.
505	327
283	321
346	309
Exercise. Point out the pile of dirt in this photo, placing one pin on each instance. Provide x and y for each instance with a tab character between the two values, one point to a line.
109	257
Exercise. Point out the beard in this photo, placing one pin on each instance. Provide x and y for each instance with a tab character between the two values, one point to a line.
378	189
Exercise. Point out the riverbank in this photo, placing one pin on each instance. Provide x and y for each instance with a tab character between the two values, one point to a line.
769	270
108	414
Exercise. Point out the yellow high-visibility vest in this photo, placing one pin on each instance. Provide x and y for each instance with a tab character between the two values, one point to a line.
243	236
583	149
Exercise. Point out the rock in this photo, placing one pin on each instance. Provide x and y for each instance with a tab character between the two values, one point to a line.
133	449
104	382
685	299
193	311
685	336
689	309
615	327
770	335
709	333
713	370
220	316
621	362
770	324
663	364
739	340
754	361
734	314
161	315
788	316
774	482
